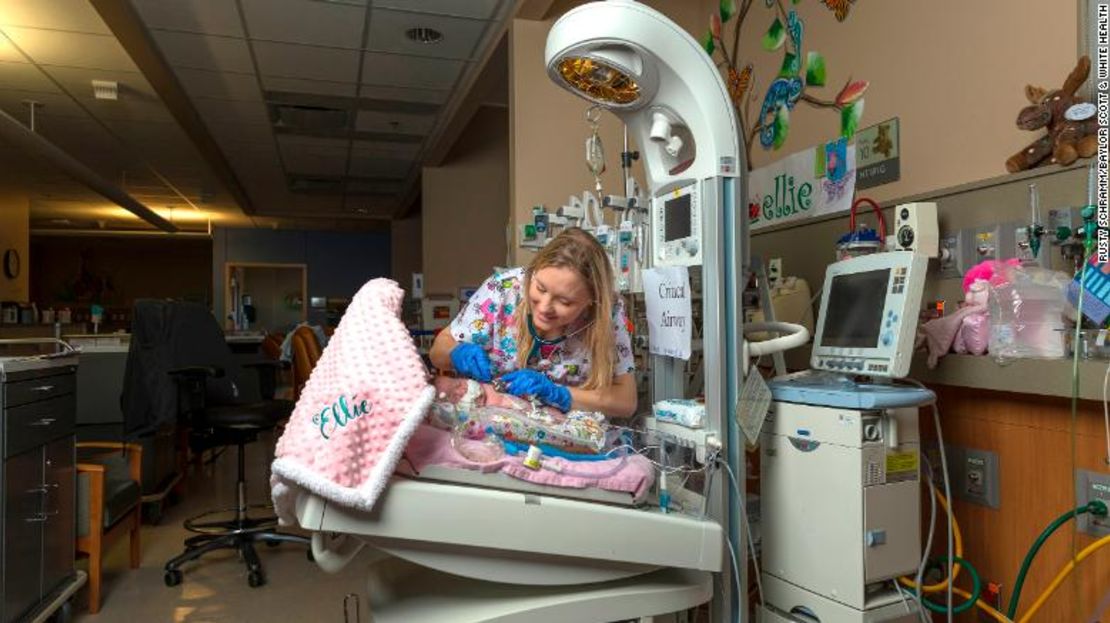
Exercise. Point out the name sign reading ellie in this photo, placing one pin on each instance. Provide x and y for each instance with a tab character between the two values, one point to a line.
340	412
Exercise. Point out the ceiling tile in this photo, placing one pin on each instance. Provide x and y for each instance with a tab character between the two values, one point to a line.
212	17
366	166
52	47
8	53
231	111
315	164
51	105
401	94
385	150
315	144
307	22
127	109
68	131
226	130
77	82
24	77
301	61
71	15
460	36
397	70
205	52
222	85
480	9
314	87
373	121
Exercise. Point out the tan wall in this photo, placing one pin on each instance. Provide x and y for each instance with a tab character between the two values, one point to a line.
953	72
548	124
405	246
15	234
464	203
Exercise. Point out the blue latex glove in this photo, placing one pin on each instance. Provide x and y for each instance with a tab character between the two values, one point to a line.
531	383
471	360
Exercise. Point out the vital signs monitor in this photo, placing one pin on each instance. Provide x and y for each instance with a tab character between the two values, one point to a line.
869	313
677	226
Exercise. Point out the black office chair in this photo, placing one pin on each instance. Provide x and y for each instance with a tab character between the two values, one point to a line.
179	366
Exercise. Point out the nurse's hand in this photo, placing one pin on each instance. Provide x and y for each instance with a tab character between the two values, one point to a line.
531	383
471	360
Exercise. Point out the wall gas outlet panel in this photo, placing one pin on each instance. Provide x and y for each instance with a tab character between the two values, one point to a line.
954	258
988	242
1093	486
1023	246
974	475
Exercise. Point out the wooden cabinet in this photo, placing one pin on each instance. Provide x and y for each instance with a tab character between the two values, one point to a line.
37	503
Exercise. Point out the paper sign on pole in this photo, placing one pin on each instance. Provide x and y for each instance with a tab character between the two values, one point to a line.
667	296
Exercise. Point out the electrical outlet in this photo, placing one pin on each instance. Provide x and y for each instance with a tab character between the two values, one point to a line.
992	596
1093	486
974	475
774	270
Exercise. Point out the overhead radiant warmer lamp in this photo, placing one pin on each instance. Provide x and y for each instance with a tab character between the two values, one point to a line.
652	74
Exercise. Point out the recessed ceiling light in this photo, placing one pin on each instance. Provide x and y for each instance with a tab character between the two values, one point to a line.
424	35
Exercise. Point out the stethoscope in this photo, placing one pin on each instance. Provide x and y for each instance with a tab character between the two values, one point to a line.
539	342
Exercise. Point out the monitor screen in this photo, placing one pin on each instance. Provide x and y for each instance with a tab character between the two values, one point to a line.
676	216
854	312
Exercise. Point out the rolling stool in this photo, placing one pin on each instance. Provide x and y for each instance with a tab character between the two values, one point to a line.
235	425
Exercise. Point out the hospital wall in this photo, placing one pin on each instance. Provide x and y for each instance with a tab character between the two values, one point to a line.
464	204
953	72
405	248
338	263
15	234
548	126
1031	434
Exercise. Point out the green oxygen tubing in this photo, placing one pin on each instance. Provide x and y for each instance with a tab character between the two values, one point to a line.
1095	507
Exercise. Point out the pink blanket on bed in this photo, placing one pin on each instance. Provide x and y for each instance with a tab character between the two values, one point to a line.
632	474
366	396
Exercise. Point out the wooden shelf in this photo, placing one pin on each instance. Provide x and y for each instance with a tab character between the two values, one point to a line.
1044	377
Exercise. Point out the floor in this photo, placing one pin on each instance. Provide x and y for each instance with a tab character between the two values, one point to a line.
215	587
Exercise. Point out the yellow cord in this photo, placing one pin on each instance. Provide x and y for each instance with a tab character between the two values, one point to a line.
984	606
943	585
1060	577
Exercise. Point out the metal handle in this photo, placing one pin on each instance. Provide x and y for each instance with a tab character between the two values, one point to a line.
41	517
42	388
69	349
46	421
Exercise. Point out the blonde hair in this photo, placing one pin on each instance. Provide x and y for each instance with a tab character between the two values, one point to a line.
579	251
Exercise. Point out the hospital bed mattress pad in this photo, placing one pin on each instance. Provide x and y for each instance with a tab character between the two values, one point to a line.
623	480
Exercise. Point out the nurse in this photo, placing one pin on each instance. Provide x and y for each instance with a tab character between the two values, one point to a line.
555	331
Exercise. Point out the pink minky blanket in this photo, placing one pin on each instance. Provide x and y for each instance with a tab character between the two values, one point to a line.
365	398
632	474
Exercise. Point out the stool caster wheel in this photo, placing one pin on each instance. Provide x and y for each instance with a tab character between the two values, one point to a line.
172	577
255	579
309	556
273	543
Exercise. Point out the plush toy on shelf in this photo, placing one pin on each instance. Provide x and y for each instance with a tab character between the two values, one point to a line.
1069	119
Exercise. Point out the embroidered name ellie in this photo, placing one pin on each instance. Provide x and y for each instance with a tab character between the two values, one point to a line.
340	412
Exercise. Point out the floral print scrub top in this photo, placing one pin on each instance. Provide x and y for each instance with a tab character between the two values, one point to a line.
489	321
